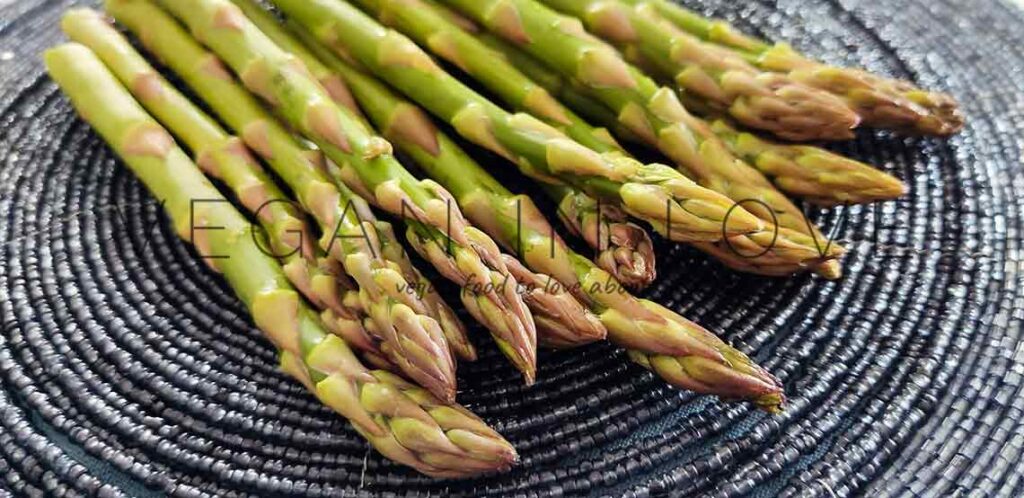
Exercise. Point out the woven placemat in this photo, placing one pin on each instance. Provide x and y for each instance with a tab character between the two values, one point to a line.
128	369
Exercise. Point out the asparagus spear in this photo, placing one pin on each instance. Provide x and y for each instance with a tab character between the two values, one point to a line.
881	102
737	253
437	229
812	173
624	248
682	352
655	114
404	423
762	100
339	21
562	320
555	311
675	205
408	336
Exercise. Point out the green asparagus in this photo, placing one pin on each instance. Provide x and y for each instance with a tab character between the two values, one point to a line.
636	324
624	248
758	99
812	173
881	102
655	114
404	423
563	89
740	253
437	228
447	40
626	252
676	206
408	335
659	336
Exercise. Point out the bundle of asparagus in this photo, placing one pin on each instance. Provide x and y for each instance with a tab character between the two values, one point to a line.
676	206
434	28
574	102
403	422
682	352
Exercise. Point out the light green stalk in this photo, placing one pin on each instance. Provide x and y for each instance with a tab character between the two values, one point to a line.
562	320
408	336
438	230
740	253
676	206
227	159
655	114
403	422
623	248
660	338
881	102
762	100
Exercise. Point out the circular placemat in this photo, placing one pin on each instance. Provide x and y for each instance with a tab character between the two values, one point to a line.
128	369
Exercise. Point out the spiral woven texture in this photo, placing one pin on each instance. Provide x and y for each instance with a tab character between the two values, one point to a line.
128	369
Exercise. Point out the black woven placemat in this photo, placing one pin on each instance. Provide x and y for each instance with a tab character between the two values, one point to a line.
128	369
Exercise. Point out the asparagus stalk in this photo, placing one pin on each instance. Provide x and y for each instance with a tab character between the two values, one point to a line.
881	102
812	173
437	229
676	206
561	320
655	114
562	88
682	352
624	248
451	325
225	158
407	334
454	330
758	99
738	252
403	422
